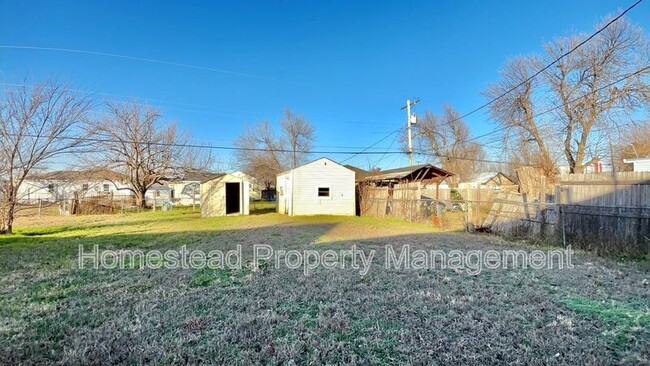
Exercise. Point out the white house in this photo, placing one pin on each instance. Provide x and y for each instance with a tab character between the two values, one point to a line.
322	187
225	194
186	191
640	164
59	185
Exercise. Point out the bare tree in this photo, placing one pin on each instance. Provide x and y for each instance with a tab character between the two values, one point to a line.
135	142
260	153
446	136
37	124
586	87
517	111
299	136
263	154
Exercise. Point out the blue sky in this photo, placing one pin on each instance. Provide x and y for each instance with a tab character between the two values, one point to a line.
347	66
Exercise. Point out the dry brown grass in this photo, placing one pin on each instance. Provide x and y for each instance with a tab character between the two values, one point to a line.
51	311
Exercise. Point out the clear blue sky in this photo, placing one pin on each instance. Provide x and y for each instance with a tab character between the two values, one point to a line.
347	66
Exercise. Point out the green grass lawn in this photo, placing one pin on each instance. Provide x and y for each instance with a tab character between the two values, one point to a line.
53	312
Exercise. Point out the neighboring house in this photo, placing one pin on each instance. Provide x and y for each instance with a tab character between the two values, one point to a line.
158	194
186	190
596	166
256	192
225	194
491	180
321	187
640	164
59	185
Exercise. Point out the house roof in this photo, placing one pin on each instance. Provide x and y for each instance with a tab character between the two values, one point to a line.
313	161
636	160
79	175
420	172
158	187
482	178
215	176
195	176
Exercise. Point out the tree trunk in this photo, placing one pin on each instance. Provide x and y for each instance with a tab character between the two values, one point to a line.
7	216
140	198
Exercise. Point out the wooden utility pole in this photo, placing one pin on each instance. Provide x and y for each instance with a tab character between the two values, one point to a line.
410	120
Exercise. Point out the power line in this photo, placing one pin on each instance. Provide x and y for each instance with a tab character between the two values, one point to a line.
123	98
387	149
364	151
144	59
234	148
548	65
561	106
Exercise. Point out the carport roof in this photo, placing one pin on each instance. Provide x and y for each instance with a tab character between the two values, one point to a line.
415	173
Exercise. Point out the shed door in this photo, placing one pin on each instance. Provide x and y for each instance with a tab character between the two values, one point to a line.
232	198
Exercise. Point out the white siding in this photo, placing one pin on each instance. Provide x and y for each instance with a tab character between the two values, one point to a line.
184	199
642	166
298	189
31	191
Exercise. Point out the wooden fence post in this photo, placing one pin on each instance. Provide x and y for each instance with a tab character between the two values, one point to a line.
559	215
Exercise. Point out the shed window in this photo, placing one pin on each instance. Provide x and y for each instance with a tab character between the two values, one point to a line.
106	187
323	191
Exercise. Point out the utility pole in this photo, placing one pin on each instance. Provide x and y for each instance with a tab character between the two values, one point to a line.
410	120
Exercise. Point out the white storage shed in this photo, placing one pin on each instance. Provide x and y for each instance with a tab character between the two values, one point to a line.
224	195
321	187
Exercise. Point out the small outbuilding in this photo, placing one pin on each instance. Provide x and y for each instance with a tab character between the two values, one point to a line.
490	180
321	187
225	194
639	164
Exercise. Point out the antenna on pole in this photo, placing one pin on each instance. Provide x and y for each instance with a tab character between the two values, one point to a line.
410	120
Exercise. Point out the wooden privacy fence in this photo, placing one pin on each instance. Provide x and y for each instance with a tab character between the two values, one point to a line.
516	214
608	213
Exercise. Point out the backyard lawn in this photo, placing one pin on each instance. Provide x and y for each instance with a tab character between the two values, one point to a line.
51	311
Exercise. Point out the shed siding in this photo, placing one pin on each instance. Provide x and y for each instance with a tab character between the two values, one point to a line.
213	196
298	190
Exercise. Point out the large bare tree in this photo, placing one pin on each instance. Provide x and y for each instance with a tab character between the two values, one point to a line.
517	111
298	134
260	153
134	141
263	153
37	124
446	136
589	88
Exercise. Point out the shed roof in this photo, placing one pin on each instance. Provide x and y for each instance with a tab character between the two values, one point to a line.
313	161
